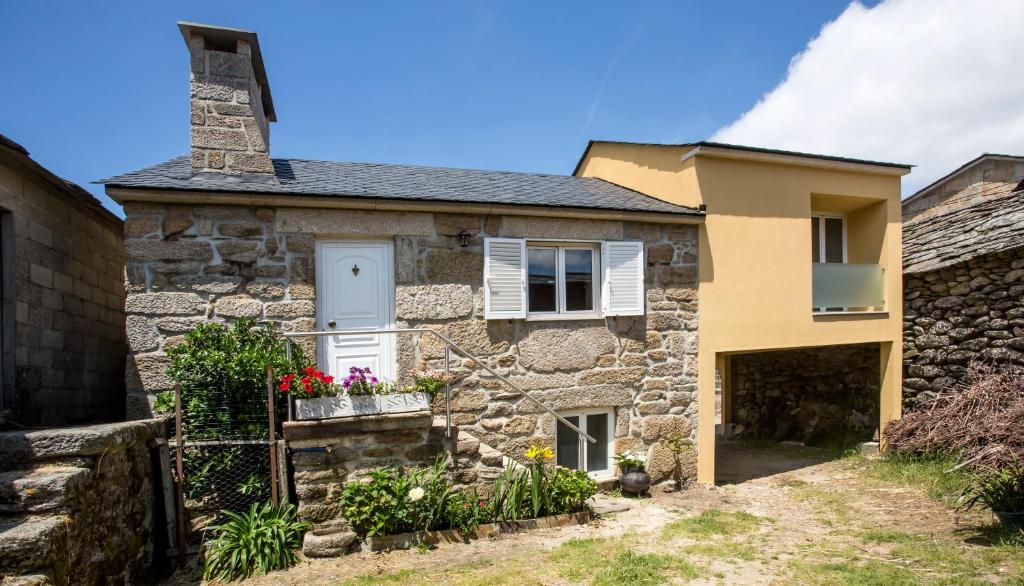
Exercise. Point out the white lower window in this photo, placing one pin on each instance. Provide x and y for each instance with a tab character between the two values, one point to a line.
595	458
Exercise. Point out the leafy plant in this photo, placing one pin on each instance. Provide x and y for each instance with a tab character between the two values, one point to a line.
430	381
164	402
312	383
511	489
1000	490
631	460
361	381
570	490
223	376
400	501
261	540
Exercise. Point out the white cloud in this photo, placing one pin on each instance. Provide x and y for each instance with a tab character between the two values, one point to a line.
932	83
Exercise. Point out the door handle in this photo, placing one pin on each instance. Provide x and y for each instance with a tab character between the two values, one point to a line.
331	323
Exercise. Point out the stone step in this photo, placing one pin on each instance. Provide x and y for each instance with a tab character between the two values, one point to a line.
32	544
27	580
25	449
40	490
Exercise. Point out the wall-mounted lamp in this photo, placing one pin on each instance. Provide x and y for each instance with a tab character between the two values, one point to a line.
463	238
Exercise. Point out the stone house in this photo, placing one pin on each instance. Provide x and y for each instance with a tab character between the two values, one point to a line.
62	339
963	264
587	291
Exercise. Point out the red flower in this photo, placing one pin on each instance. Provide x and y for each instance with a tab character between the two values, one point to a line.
328	379
309	370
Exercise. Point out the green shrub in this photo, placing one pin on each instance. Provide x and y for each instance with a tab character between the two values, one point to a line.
399	501
257	542
999	490
223	376
570	490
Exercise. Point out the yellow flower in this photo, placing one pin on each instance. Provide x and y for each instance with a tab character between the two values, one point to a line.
540	452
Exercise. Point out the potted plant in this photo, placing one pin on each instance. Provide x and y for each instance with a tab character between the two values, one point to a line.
317	396
634	478
1002	491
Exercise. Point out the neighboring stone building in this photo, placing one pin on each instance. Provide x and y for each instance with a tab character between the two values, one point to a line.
963	263
584	293
63	333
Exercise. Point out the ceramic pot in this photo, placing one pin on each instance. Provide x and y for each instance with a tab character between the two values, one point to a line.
635	481
1011	522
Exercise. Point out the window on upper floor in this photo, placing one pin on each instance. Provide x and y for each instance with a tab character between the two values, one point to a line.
828	239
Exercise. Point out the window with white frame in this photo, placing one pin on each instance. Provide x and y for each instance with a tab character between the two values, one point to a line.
561	279
595	458
557	280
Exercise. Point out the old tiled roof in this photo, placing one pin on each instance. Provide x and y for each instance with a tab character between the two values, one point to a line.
991	225
407	182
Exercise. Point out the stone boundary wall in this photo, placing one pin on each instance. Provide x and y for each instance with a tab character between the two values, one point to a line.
332	452
64	316
959	314
187	264
811	394
80	505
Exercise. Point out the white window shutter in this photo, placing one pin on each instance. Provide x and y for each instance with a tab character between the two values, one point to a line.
622	278
504	278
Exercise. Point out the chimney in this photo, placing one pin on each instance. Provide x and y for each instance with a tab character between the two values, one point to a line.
231	105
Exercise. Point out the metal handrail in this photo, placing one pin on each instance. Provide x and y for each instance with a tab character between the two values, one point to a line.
458	349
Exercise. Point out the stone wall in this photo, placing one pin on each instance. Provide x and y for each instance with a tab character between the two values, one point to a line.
953	316
189	264
63	315
816	395
327	454
987	178
80	505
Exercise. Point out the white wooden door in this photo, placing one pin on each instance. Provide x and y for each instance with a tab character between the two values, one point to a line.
355	291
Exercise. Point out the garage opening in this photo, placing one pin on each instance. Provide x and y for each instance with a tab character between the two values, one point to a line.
821	397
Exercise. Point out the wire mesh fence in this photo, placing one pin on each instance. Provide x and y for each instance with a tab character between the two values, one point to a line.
225	453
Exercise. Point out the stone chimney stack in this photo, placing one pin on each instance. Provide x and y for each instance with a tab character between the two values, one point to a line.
231	105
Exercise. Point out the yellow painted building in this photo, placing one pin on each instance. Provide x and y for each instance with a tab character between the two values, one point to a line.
797	251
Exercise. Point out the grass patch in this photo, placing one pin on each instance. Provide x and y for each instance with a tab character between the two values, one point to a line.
613	562
851	572
713	522
827	502
398	577
723	551
887	536
930	473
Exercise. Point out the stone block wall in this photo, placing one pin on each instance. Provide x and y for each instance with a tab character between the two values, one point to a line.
64	311
959	314
817	395
81	505
189	264
327	454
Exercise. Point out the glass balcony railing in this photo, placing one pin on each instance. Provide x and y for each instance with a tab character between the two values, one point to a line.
852	287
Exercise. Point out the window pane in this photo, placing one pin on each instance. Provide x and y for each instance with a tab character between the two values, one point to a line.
833	240
542	279
579	280
567	444
815	242
597	454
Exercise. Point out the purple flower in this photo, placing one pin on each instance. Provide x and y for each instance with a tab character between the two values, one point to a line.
374	380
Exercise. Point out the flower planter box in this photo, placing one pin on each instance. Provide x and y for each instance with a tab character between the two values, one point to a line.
355	405
487	531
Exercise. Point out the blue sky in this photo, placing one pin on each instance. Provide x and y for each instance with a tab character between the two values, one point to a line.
95	89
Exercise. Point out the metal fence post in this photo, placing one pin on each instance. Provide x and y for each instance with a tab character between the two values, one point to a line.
447	394
272	435
178	449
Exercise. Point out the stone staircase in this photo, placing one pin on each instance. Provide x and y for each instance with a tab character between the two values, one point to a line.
474	461
49	503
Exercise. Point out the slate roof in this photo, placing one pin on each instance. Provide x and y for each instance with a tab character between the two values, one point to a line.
407	182
991	225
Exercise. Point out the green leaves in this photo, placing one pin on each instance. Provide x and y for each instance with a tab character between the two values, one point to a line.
1000	490
259	541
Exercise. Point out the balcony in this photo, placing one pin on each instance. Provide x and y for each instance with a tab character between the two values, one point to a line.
848	287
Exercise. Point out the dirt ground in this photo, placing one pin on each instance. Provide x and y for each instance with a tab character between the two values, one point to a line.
780	515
